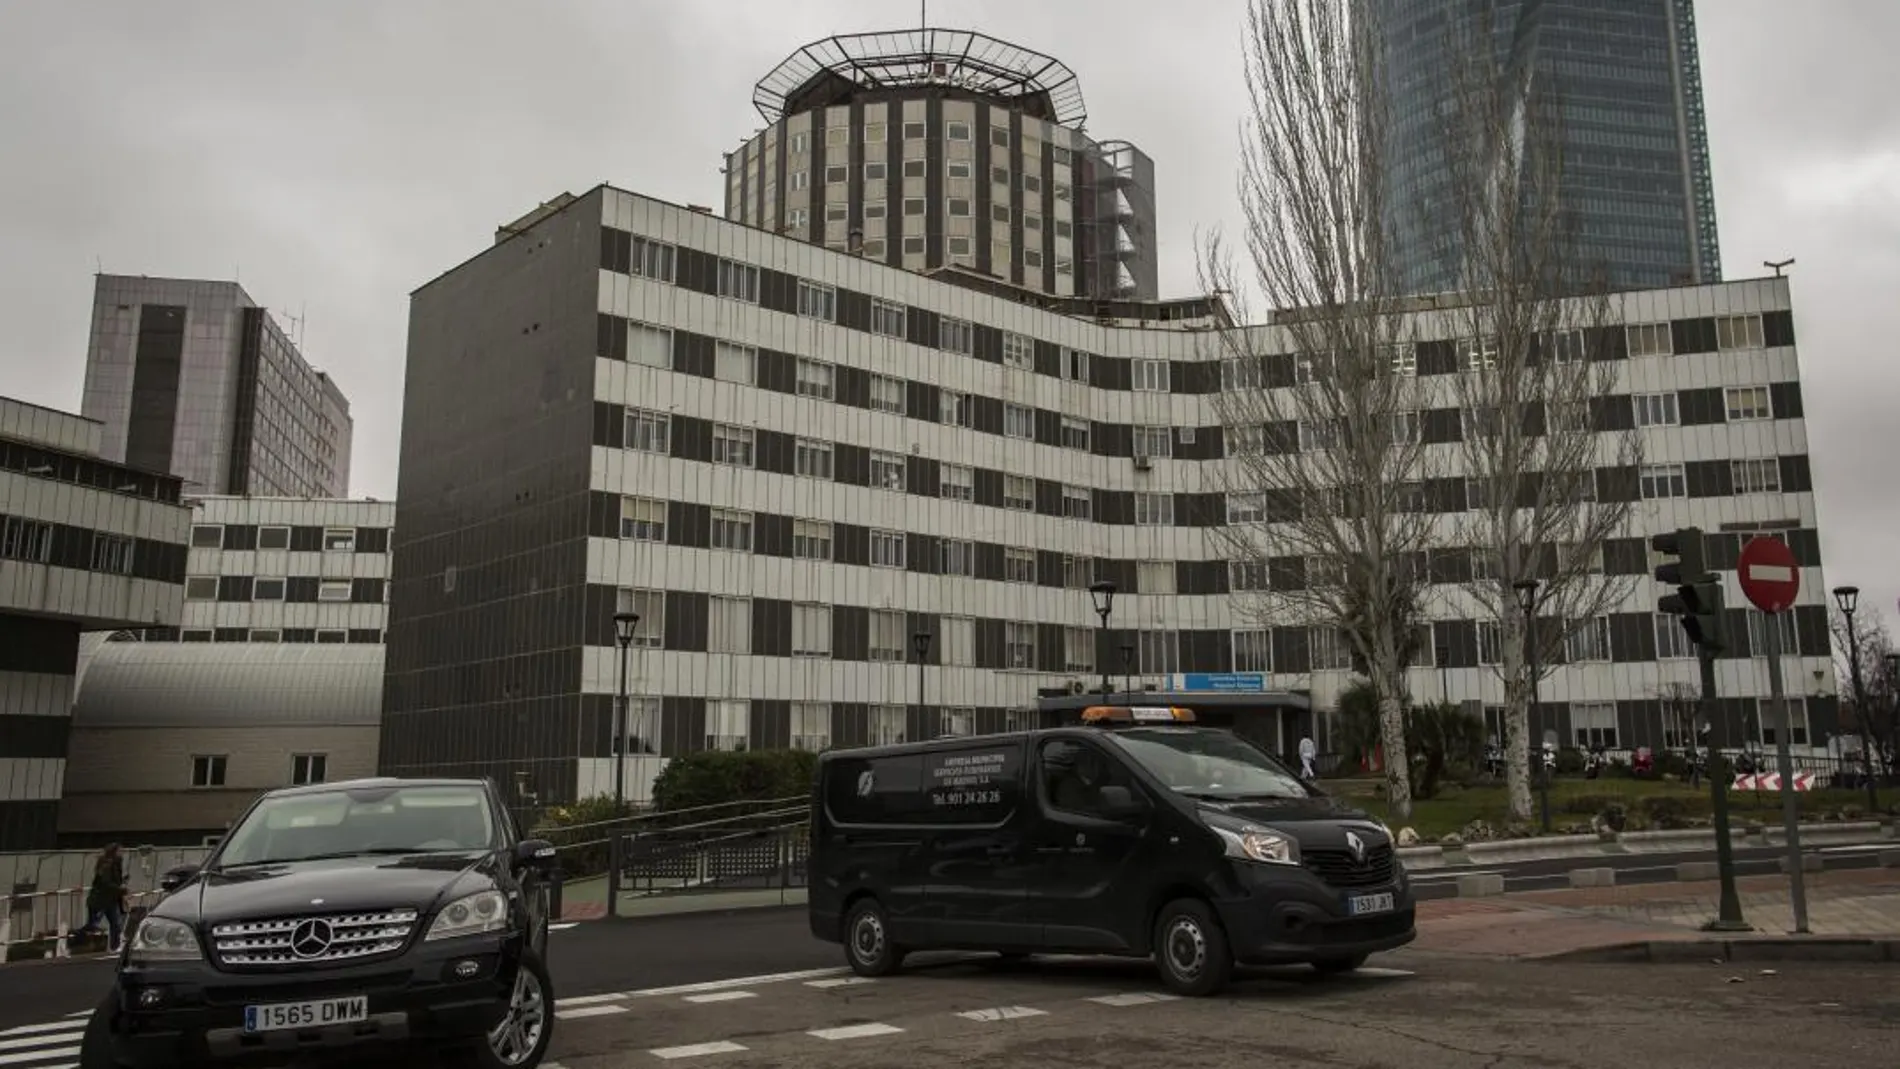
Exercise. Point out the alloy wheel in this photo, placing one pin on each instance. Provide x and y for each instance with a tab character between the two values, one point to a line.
514	1040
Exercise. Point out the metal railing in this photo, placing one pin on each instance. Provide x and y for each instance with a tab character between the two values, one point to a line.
711	850
39	924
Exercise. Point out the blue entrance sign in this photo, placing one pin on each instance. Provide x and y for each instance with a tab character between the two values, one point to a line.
1224	681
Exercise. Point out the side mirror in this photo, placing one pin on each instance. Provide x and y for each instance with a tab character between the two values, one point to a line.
1120	802
176	878
535	854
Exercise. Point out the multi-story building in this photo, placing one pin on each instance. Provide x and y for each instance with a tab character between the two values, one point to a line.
86	544
928	149
1635	140
786	481
192	377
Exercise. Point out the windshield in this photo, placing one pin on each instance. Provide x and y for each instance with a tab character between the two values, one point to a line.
1209	764
348	822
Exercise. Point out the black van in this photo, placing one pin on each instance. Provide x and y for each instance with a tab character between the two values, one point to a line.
1133	834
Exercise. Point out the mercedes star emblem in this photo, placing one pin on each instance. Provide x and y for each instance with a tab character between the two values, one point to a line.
310	938
1357	846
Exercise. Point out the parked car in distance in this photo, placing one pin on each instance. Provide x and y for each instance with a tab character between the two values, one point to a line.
366	914
1133	833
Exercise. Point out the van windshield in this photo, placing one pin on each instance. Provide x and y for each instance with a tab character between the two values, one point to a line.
1209	764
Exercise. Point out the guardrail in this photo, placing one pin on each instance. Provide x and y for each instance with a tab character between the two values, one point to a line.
38	924
765	848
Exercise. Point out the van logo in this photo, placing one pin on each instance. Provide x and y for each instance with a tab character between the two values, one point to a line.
867	782
1357	846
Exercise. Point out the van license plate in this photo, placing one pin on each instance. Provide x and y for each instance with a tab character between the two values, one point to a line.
1359	905
282	1016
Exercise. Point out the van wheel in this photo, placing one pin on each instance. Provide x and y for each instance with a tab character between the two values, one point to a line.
1191	948
867	941
1333	966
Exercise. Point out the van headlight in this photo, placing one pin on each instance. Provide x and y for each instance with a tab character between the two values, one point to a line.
483	911
1249	843
160	939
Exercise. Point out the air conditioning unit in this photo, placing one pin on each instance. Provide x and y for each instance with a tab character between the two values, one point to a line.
1076	686
1143	462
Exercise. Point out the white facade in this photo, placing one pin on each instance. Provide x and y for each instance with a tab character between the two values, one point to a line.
286	569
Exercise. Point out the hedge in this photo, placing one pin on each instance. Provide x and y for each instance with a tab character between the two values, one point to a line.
712	777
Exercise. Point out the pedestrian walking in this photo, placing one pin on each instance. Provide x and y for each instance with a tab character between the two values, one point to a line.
1309	754
105	900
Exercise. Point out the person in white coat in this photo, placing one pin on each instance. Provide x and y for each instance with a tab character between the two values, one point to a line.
1309	753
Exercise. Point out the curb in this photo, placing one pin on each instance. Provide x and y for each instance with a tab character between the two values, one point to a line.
1427	856
1478	885
1740	950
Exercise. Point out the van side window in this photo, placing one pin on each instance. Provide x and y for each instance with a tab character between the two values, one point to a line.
877	790
1073	773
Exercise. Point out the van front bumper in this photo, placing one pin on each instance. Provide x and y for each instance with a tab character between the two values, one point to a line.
1283	914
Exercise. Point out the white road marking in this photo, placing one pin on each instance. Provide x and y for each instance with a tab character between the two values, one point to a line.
563	926
840	981
697	1050
53	1026
1135	998
1375	971
39	1055
27	1042
700	988
588	1011
1003	1013
854	1031
585	1000
721	996
81	1013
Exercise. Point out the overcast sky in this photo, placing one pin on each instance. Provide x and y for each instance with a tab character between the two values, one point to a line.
333	156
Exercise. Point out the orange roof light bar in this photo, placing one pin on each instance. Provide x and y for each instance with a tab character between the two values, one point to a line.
1137	714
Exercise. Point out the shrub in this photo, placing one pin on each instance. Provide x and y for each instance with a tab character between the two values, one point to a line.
1590	804
1664	811
713	777
1569	762
1671	763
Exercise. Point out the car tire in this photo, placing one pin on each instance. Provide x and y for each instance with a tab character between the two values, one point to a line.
1191	949
1335	966
521	1040
95	1047
867	942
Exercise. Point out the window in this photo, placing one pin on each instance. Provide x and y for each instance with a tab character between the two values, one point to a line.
1649	339
913	169
874	209
1407	428
1032	258
999	138
1654	409
1738	332
1019	493
1019	645
260	634
332	637
812	458
884	725
1153	441
811	726
887	640
1490	642
1566	346
1748	403
887	549
1154	576
739	281
1150	376
874	132
887	394
652	346
953	408
913	131
1481	354
999	213
914	205
735	363
1594	724
1482	422
729	626
1589	641
643	519
837	174
333	590
959	206
732	445
1323	573
957	169
1018	350
799	180
914	245
956	723
957	557
1656	481
1078	649
1758	633
960	247
206	536
1246	506
956	641
814	379
207	770
273	538
271	589
1253	651
731	530
308	768
1075	365
1076	503
956	131
649	432
192	634
817	302
201	588
728	724
1318	435
811	540
887	471
339	539
1247	575
1018	422
1245	441
1672	642
651	259
838	135
954	336
956	482
1154	510
1761	476
797	217
1797	722
1019	565
874	172
1159	652
800	142
1075	434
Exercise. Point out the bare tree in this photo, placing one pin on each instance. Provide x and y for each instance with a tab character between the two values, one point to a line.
1877	725
1533	357
1326	514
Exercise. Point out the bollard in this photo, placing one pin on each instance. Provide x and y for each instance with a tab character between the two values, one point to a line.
1697	871
1598	877
1809	863
1480	885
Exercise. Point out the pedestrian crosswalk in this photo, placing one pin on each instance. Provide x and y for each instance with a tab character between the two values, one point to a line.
48	1045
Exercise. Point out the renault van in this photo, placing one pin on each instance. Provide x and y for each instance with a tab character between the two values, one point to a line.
1134	833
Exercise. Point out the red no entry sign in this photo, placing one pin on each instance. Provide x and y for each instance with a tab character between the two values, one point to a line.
1769	575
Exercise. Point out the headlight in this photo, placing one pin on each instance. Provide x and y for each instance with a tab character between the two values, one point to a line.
483	911
158	939
1258	844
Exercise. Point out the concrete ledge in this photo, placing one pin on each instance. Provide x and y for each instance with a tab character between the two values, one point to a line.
1757	949
1593	877
1696	871
1419	858
1890	859
1673	839
1480	885
1548	846
1809	863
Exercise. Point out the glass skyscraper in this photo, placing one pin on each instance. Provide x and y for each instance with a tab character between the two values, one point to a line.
1636	174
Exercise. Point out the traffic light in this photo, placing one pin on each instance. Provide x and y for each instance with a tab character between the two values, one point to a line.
1698	596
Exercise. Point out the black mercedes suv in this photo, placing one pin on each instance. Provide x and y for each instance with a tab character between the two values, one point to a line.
370	913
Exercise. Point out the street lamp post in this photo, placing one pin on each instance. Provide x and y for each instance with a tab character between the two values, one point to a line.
625	623
1128	672
1103	594
1847	599
920	641
1527	603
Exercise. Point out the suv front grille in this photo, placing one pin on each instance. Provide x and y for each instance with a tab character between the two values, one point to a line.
1339	868
304	940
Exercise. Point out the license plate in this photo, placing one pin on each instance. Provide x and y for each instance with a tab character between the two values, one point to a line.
1359	905
282	1016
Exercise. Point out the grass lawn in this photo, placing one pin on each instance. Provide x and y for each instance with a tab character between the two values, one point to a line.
1574	801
